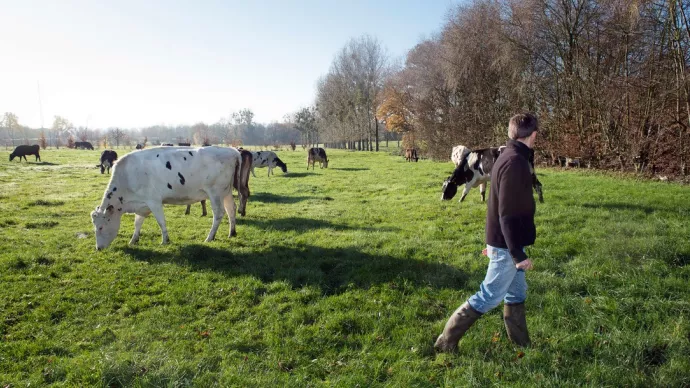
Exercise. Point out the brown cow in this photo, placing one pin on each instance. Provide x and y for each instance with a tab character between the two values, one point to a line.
411	153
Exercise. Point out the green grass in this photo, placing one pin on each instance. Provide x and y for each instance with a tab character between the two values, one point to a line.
340	277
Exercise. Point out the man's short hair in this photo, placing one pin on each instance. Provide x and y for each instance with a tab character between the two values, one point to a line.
522	125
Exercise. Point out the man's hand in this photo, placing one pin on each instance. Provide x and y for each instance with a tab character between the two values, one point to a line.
524	265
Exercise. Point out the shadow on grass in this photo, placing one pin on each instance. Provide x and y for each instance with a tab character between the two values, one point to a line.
351	169
334	270
272	198
305	224
620	206
297	174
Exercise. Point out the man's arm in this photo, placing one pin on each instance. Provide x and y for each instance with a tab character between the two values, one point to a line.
513	196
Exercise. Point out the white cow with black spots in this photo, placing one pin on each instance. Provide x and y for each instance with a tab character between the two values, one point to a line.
142	182
267	159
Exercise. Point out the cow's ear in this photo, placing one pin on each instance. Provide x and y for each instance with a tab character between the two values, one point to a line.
110	209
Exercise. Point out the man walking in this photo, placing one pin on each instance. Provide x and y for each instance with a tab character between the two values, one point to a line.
509	229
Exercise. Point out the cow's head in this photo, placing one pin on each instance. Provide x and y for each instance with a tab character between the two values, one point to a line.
448	190
106	224
325	163
12	156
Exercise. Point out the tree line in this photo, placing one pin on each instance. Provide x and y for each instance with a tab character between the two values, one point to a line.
237	129
608	80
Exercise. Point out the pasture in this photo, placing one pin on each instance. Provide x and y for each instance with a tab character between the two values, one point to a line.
338	277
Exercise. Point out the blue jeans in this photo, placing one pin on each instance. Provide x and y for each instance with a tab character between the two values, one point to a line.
502	281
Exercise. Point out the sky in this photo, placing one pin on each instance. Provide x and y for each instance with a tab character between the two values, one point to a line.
134	64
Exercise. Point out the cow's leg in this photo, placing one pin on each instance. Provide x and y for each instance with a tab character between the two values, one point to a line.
537	187
157	210
229	204
482	191
243	192
466	190
255	174
217	209
203	208
38	158
269	170
138	222
189	208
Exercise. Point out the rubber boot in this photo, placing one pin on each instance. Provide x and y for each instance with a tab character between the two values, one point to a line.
458	323
516	324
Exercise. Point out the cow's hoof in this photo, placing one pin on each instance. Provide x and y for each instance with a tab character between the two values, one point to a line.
134	241
233	233
165	242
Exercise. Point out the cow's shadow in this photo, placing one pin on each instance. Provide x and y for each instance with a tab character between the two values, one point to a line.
297	174
350	169
614	206
299	224
272	198
38	163
333	270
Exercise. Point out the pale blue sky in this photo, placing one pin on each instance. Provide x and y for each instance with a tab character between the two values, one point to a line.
139	63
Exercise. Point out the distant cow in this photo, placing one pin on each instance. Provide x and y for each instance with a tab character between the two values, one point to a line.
241	185
142	182
410	154
108	158
84	145
317	155
23	150
184	144
473	168
140	146
267	159
167	144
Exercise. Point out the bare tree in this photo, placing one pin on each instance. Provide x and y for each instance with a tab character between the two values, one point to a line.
116	135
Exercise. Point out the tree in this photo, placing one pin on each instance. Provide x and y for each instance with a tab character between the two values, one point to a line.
116	135
202	134
11	123
304	120
60	126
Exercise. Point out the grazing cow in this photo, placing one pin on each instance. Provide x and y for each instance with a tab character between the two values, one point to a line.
474	169
317	155
23	150
184	144
411	153
84	145
142	182
168	145
108	158
140	146
241	185
267	159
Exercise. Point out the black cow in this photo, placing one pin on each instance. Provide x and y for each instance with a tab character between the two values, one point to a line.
23	150
84	145
475	170
140	146
167	144
108	158
317	155
184	144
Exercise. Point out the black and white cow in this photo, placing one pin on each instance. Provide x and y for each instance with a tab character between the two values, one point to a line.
267	159
473	168
167	145
241	185
317	155
108	158
142	182
23	150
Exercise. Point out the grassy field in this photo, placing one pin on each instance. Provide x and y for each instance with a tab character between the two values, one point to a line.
338	277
